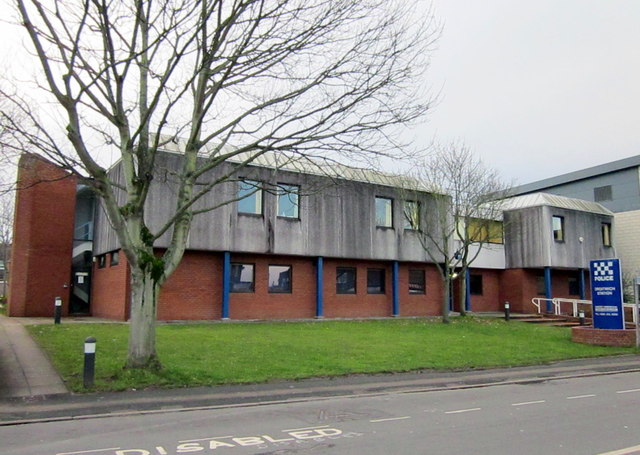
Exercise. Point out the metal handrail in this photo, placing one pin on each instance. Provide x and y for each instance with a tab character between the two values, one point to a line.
557	302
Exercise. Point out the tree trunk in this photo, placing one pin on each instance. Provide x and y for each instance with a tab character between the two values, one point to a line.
463	292
445	299
142	334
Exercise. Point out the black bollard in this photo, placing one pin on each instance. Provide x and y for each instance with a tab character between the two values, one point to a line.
507	311
89	362
57	311
581	315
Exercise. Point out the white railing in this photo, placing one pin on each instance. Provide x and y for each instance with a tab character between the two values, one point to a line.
557	304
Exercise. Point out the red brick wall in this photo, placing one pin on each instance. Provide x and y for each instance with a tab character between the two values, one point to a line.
490	300
43	238
427	304
261	304
110	289
194	290
603	337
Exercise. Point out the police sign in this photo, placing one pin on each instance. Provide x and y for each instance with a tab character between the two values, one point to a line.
606	291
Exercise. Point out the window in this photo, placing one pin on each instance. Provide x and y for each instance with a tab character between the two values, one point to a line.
345	280
574	286
606	234
251	194
102	261
412	215
288	200
375	281
558	228
280	278
541	287
602	193
242	277
115	258
416	281
475	284
487	231
384	211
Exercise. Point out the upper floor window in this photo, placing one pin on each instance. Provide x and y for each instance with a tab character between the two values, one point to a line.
288	200
280	278
606	234
489	231
115	258
412	215
384	212
250	197
102	261
558	228
242	277
603	193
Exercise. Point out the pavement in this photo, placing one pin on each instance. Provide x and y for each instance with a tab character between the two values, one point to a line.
32	391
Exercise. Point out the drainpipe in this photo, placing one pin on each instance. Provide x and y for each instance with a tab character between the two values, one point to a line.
547	288
319	287
395	288
226	284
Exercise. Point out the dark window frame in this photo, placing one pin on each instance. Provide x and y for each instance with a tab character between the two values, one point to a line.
381	285
102	261
421	288
250	290
390	224
114	258
558	234
339	272
285	189
278	290
573	285
606	234
410	224
258	193
475	281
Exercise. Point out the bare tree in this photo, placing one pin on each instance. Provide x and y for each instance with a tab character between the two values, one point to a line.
328	79
465	216
6	231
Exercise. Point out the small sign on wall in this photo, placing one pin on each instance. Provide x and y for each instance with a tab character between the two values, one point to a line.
606	290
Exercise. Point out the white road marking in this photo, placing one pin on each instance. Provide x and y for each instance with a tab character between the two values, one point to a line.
460	411
627	451
577	397
389	419
307	428
89	451
205	439
628	391
529	402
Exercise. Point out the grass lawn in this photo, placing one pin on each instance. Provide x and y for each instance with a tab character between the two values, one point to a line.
207	354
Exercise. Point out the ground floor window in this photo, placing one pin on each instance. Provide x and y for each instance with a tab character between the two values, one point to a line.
416	281
541	287
574	286
345	280
375	281
242	277
475	284
280	278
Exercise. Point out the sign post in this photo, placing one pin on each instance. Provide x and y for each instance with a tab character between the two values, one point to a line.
606	289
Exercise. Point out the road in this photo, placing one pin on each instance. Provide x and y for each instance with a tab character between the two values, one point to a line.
592	415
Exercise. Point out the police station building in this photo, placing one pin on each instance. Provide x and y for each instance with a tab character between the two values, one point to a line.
324	246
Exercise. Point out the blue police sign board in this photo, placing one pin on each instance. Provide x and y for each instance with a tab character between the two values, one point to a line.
606	291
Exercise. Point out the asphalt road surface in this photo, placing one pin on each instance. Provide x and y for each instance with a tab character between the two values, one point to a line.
593	415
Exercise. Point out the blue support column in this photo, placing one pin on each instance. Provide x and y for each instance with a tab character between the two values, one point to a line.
226	284
582	285
320	287
396	288
547	288
467	293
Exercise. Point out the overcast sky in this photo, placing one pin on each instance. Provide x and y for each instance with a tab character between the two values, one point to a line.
535	88
538	88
